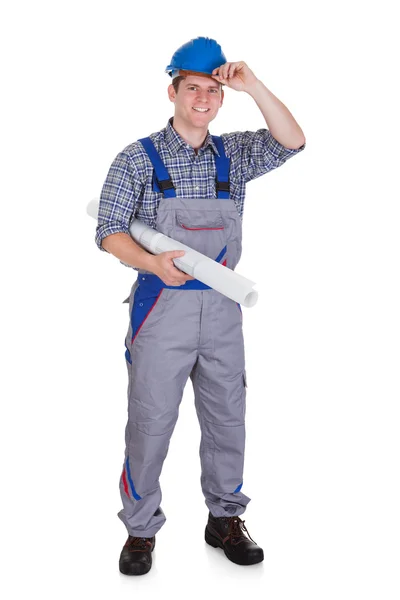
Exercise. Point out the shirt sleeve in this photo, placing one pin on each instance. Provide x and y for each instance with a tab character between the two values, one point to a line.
119	197
257	152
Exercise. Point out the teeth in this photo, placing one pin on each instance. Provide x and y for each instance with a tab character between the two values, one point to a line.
201	109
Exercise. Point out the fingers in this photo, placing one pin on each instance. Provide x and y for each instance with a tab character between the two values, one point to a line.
227	71
218	74
223	71
180	276
166	270
176	276
177	281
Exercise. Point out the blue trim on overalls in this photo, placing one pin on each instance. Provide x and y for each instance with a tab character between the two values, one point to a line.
128	354
160	171
222	165
128	472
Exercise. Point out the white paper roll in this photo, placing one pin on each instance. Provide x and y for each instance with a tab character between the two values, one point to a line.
201	267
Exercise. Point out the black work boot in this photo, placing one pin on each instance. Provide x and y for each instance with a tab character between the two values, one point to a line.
228	533
135	557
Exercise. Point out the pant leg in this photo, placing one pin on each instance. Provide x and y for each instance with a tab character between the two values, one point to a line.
159	360
219	384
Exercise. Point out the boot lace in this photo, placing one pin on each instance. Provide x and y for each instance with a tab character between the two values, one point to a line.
237	530
138	543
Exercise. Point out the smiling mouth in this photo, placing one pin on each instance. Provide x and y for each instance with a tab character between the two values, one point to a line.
201	110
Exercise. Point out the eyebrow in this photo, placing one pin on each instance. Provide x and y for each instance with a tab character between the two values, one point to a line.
198	85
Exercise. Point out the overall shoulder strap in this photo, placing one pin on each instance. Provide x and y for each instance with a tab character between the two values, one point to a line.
162	177
222	165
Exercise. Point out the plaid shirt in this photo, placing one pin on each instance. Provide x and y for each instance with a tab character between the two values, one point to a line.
127	191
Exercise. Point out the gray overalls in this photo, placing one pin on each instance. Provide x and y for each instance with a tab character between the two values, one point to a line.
180	332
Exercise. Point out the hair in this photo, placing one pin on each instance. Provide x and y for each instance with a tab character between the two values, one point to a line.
176	82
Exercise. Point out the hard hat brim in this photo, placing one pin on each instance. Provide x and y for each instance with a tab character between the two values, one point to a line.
185	73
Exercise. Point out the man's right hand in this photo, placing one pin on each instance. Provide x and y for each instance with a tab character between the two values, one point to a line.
164	268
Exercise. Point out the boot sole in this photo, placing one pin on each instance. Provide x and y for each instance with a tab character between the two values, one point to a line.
216	543
135	574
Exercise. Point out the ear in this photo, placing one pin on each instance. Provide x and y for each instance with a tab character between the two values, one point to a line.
171	93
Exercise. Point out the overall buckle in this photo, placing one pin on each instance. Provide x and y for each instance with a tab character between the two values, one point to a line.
222	186
165	184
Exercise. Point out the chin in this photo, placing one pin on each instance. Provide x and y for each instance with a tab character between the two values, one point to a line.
201	125
201	121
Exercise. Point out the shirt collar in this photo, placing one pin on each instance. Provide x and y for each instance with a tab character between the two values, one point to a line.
175	142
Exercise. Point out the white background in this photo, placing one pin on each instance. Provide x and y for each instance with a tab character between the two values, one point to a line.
321	239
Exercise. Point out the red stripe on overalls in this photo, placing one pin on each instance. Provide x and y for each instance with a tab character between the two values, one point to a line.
125	483
202	228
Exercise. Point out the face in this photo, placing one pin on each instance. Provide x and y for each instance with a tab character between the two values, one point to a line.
197	92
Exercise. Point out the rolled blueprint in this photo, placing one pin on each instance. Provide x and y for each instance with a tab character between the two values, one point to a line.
201	267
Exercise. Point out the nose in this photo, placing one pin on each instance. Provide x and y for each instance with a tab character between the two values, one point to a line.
202	96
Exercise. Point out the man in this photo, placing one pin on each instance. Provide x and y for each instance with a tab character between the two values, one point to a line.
190	186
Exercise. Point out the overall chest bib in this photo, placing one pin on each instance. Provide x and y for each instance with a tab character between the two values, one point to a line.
211	226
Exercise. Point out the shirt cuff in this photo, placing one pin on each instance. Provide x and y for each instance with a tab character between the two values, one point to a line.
106	229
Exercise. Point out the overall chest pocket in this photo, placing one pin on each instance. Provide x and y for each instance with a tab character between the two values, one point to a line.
199	221
203	231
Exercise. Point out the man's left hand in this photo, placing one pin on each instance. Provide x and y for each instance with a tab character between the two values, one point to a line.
235	75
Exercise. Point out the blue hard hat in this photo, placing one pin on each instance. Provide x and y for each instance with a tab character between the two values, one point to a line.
201	55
